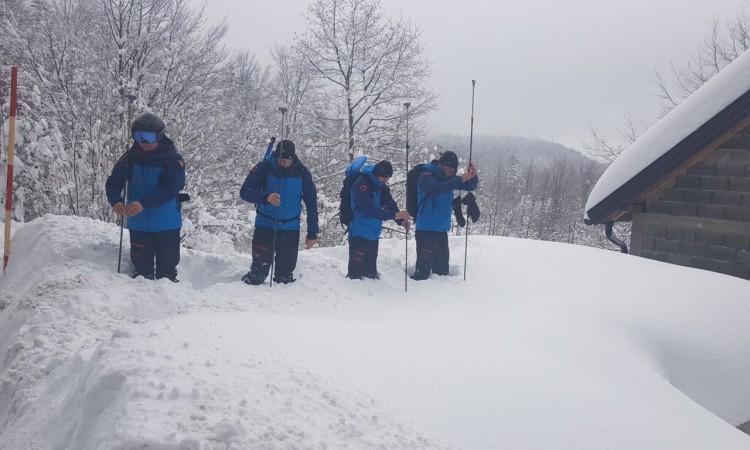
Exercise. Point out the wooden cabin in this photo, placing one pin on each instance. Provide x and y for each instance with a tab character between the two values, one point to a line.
685	184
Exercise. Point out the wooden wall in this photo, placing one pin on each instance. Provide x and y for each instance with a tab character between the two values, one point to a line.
703	221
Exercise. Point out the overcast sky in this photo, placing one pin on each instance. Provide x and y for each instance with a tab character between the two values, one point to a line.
548	69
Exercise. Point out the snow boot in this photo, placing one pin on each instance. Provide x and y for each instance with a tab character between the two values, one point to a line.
137	274
171	276
419	275
284	279
252	279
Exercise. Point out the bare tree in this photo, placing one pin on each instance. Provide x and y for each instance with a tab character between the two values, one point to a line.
371	64
295	88
724	43
604	148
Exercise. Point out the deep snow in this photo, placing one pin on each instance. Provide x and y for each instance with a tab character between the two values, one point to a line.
545	346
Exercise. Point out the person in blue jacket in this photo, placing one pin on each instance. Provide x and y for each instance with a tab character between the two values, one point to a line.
435	199
372	203
278	185
154	174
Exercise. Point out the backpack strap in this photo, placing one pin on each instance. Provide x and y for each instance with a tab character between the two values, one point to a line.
421	204
265	168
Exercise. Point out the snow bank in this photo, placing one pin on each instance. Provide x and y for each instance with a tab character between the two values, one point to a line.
541	348
710	99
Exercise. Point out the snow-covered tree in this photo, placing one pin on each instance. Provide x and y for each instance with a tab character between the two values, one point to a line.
370	64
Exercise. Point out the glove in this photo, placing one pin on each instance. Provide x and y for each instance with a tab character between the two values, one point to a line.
472	209
458	213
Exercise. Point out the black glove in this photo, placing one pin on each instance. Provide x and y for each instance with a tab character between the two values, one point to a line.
458	213
472	209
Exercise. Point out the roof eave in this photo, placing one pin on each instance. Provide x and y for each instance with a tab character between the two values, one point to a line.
710	135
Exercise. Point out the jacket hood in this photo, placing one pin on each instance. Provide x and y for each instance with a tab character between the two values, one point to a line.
367	171
434	168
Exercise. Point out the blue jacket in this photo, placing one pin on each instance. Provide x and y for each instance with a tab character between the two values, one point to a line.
372	203
294	185
154	179
435	197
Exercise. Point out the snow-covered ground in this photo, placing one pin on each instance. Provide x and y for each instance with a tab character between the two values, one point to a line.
545	346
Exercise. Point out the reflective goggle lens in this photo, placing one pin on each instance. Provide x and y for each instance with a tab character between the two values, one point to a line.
145	136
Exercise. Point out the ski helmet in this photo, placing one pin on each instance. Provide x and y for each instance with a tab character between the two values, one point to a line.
449	159
148	122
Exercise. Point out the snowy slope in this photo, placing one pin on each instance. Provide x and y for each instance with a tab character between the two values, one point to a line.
541	348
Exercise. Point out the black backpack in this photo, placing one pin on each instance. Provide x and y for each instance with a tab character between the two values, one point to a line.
412	194
346	215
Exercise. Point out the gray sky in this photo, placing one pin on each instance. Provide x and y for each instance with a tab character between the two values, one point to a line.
544	68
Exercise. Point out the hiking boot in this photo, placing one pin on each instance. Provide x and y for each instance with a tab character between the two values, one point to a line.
252	279
171	277
137	274
284	279
419	276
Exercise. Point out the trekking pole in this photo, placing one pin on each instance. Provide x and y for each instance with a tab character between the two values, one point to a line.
273	247
122	230
130	98
471	143
406	247
394	230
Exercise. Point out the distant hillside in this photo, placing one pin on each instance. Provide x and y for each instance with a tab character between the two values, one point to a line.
491	149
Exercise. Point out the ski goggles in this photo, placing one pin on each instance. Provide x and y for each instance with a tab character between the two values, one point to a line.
148	137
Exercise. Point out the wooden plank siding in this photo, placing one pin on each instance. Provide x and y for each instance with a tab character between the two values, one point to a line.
702	219
726	140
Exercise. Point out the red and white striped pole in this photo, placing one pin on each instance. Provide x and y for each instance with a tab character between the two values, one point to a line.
11	154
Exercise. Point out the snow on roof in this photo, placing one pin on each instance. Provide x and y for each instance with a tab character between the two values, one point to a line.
709	100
